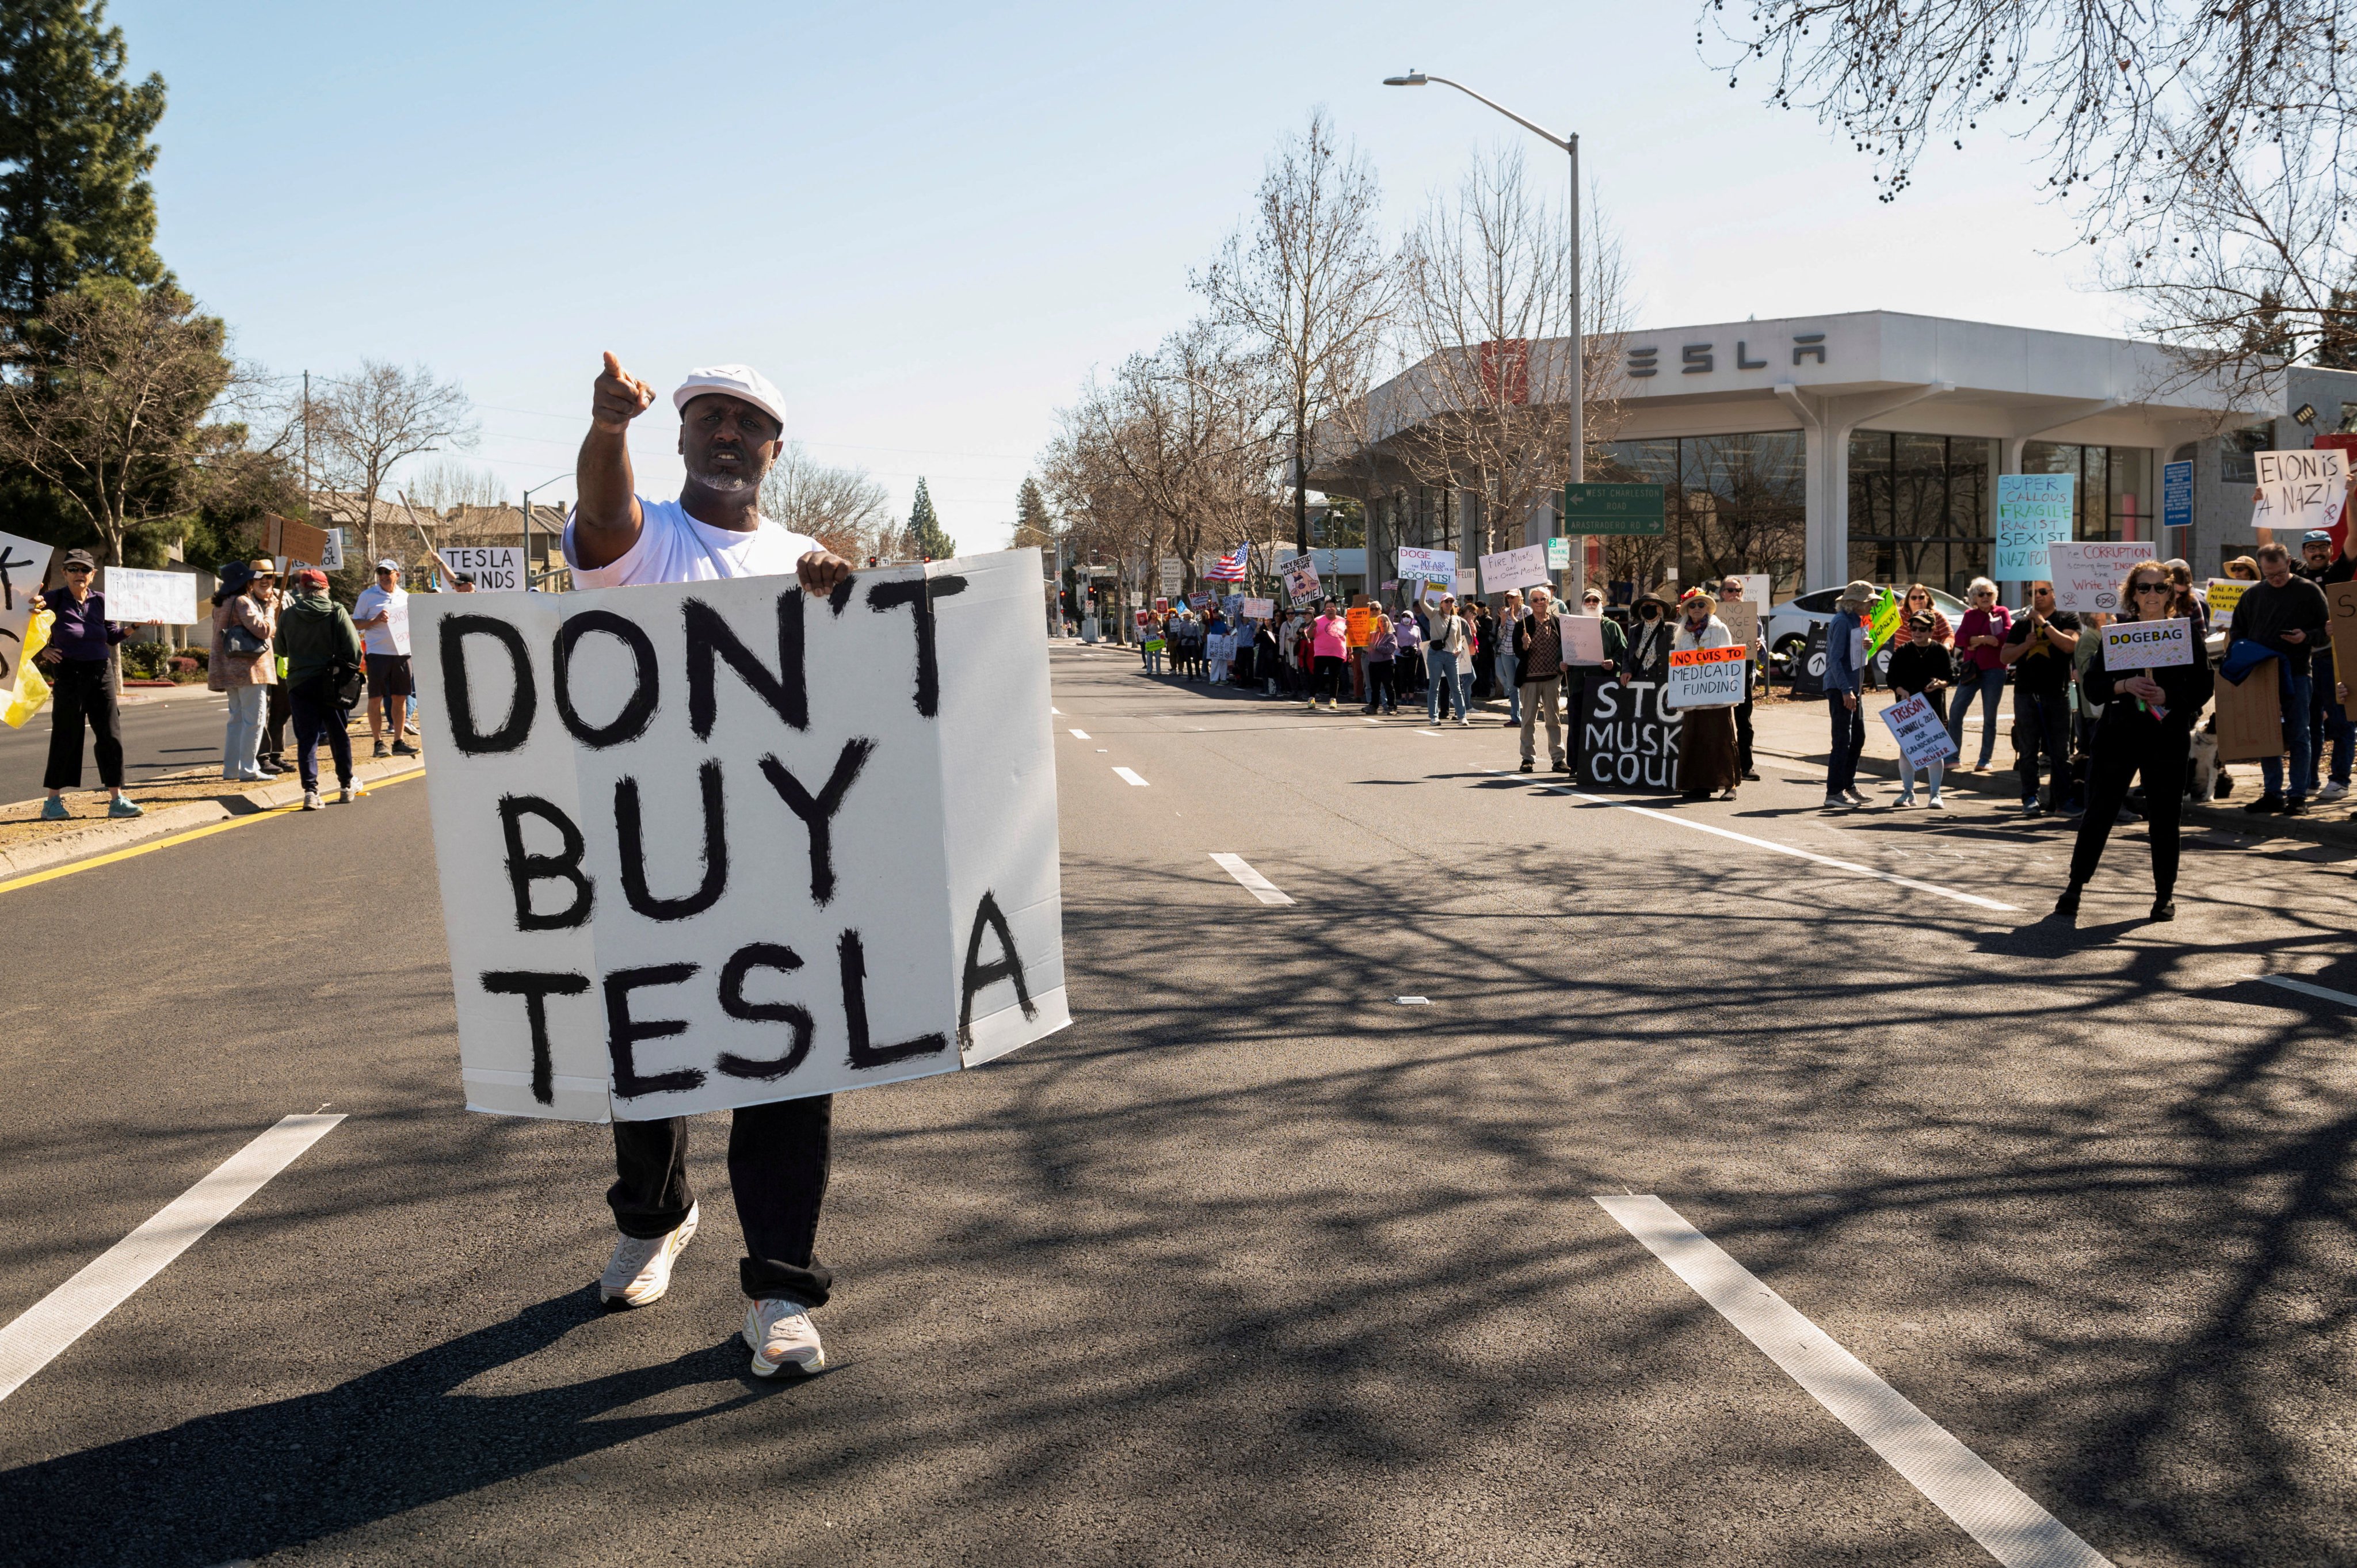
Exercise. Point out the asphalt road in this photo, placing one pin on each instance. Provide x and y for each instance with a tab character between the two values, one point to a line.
1256	1263
159	737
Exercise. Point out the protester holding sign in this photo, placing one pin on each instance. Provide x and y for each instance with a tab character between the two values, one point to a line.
1707	762
1381	652
1448	663
1731	592
732	425
381	611
2038	651
244	661
1538	664
2284	615
2145	731
1329	646
1924	667
74	663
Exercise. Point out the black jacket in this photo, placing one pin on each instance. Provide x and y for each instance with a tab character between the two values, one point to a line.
1918	665
2186	688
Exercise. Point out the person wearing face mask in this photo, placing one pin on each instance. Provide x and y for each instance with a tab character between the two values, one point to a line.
2145	728
1649	645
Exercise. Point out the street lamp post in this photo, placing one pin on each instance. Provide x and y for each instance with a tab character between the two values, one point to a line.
1578	366
527	525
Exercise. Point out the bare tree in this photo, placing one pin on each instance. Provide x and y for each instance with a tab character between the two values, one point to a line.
1306	282
450	483
109	407
2206	148
381	416
1485	318
843	509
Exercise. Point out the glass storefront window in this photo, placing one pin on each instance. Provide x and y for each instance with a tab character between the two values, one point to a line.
1919	509
1736	504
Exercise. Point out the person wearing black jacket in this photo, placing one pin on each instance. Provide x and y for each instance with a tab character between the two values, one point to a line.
2146	728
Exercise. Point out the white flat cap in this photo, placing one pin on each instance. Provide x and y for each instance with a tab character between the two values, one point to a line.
736	381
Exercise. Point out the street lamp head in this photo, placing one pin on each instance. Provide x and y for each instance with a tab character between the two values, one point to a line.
1413	78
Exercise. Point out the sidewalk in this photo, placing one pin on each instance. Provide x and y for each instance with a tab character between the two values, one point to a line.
174	803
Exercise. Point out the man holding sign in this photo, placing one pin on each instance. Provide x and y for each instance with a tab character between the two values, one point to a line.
2287	616
732	425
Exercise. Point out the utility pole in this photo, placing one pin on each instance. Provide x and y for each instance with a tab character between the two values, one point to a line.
306	443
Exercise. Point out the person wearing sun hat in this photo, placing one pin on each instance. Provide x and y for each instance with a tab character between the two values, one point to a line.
731	430
1845	679
1708	764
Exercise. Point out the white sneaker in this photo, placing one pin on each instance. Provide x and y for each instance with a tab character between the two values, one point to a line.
311	801
2333	789
780	1334
640	1271
355	790
1937	804
1853	797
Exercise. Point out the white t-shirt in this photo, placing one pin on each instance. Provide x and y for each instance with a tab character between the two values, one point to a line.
392	636
673	547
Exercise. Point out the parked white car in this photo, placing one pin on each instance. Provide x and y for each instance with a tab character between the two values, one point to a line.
1789	623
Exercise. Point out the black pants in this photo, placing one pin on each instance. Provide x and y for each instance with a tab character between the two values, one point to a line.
77	692
1379	685
2132	744
1743	736
273	720
315	715
1333	674
777	1157
2041	722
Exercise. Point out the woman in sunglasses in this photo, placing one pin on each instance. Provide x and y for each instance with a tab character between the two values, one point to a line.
2146	728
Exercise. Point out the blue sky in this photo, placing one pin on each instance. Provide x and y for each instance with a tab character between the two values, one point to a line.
927	223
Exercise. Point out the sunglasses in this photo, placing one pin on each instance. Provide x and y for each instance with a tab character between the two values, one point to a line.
2152	588
76	571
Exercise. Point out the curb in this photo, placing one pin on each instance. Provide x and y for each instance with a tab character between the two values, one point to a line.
103	835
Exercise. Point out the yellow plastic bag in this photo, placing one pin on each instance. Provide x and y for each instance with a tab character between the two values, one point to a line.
32	692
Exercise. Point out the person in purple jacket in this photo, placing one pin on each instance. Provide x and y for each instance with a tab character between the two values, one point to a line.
74	664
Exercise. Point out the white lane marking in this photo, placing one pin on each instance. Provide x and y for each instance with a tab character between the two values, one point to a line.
1973	898
1364	719
1432	733
1129	775
67	1313
1078	734
1261	887
1058	712
1413	1001
2304	988
1959	1482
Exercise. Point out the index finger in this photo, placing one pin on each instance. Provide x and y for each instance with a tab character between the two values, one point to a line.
614	367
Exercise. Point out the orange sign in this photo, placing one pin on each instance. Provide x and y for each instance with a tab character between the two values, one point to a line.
1362	626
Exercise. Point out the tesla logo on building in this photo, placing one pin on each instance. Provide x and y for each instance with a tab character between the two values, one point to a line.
1700	359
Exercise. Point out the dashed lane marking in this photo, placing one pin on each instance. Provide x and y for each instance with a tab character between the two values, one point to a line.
1130	776
1959	1482
67	1313
1078	734
1260	886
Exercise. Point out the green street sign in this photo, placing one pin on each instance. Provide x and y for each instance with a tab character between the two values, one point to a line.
1558	554
1613	509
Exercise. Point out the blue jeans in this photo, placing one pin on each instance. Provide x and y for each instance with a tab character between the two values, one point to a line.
1154	661
1509	672
2327	720
243	736
2295	737
1848	741
1442	666
1988	685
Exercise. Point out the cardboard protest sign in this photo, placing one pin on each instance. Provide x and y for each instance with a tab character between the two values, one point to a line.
1741	619
715	843
1708	678
2087	574
1259	609
2300	489
496	568
1523	568
2033	511
1921	732
2340	598
1583	638
136	598
2250	717
2147	644
23	565
1429	565
1162	606
299	542
2222	596
1628	737
1359	626
1300	575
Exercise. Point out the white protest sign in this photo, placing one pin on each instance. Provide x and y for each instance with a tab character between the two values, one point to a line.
1523	568
2033	511
2300	489
1300	575
1428	565
2087	575
2147	644
497	568
136	598
23	565
1706	678
1259	609
717	844
1922	736
1173	573
1583	640
1756	588
1466	582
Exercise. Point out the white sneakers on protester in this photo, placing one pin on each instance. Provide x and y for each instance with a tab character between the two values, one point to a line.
780	1334
640	1271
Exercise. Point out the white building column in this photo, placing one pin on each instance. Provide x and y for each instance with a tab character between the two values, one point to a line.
1827	423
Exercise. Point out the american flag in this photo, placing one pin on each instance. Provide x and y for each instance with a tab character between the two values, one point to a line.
1228	568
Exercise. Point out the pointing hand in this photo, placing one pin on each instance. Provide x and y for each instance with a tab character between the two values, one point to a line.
618	396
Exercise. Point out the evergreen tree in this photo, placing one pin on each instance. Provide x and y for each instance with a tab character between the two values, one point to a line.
925	535
1033	523
74	154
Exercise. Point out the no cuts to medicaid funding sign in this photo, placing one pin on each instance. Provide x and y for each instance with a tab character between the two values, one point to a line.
707	844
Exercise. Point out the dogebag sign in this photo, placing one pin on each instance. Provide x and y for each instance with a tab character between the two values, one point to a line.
706	845
2147	644
1627	739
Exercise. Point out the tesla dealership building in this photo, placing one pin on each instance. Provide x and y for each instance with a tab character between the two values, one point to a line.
1867	445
